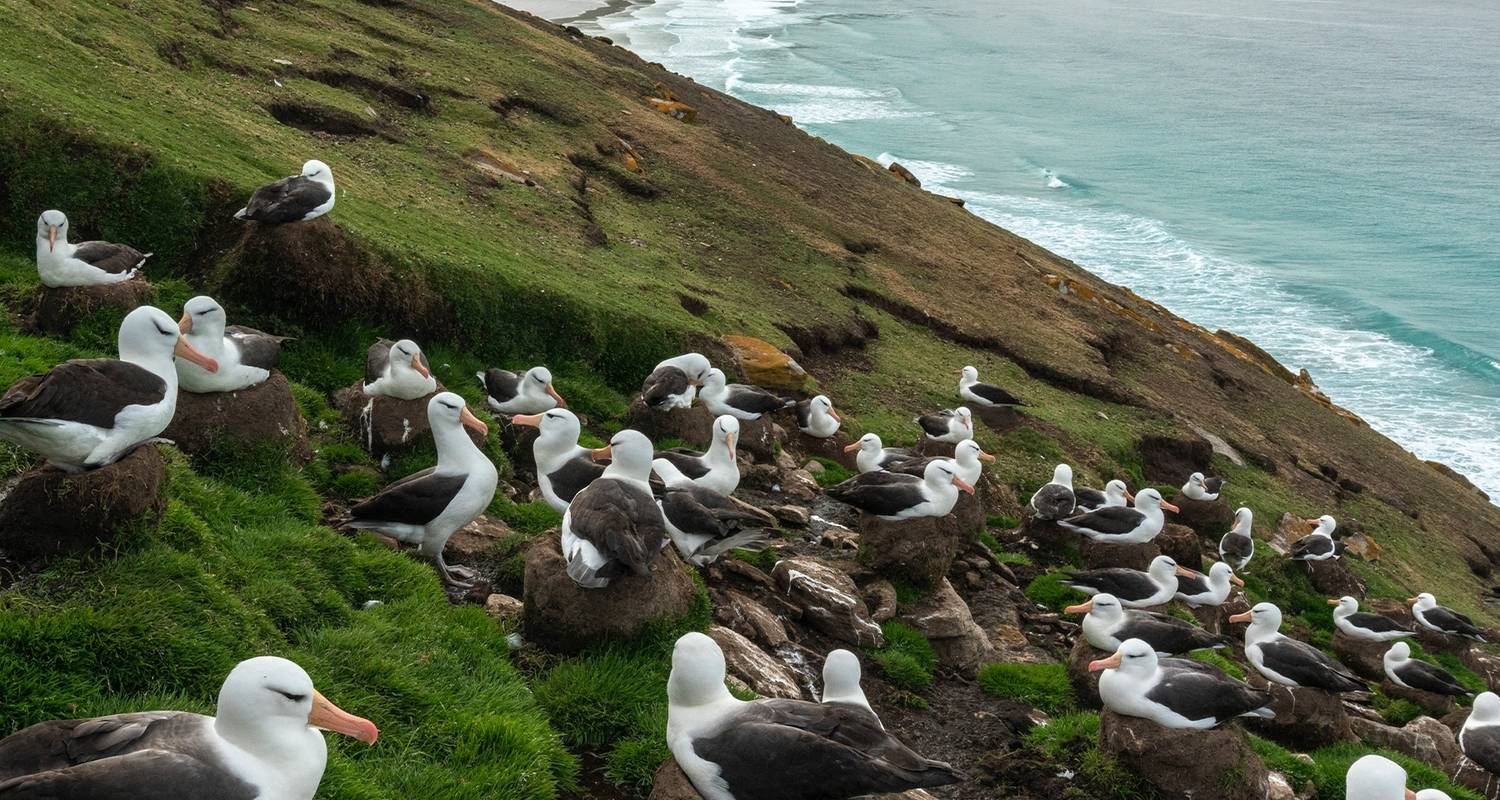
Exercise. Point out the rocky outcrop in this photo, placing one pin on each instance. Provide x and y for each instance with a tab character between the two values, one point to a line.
694	427
918	550
1424	739
563	617
47	511
1186	764
1333	578
1182	544
1365	658
944	618
58	311
765	366
828	599
761	672
504	608
749	618
1305	718
1208	518
997	611
1434	704
265	414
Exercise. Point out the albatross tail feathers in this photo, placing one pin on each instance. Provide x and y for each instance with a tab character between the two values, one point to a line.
752	540
242	214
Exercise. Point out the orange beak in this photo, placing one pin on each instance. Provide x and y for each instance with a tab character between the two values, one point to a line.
1168	506
551	392
1113	662
1245	617
986	457
1081	608
1411	795
1312	522
849	448
187	352
960	483
1184	572
1411	600
330	717
185	325
1332	602
1129	498
729	441
530	420
472	422
51	238
416	364
604	453
1238	581
835	415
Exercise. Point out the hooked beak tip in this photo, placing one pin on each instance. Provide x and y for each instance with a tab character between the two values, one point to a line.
602	453
1170	507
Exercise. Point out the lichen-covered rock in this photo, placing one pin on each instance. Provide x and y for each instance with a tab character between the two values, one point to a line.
505	608
46	511
944	618
829	600
918	550
1182	544
58	311
265	414
1186	764
564	617
765	366
1102	555
1208	518
760	671
1305	718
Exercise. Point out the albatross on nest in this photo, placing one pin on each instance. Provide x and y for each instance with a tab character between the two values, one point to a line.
1201	488
1318	545
816	417
264	742
1115	493
295	199
968	457
733	749
1137	683
60	263
1207	590
1480	735
399	370
427	507
1442	619
699	519
717	469
1107	624
1133	588
674	382
893	495
739	400
1237	547
511	393
1361	625
1121	525
873	455
1287	661
983	394
1055	499
245	355
1403	670
951	426
89	412
614	527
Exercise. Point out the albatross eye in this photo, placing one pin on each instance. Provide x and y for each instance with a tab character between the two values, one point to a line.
295	698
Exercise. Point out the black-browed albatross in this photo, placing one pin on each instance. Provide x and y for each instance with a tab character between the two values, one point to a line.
563	467
89	412
1287	661
245	355
60	263
1201	488
716	469
614	527
732	749
705	524
1403	670
1136	683
1213	589
816	417
893	495
1237	547
1107	624
1365	626
1442	619
1480	735
872	455
1115	493
399	370
1055	498
528	392
1122	525
1132	587
674	382
951	426
1320	544
987	395
298	198
742	401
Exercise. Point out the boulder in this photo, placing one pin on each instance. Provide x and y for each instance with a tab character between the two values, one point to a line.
761	672
1085	683
58	311
880	596
1424	739
765	366
829	600
1475	777
928	446
918	550
262	414
1215	619
1306	719
1435	704
1186	764
1485	665
564	617
694	426
517	441
944	618
1333	578
749	618
1099	555
1207	518
1365	658
386	425
831	448
1171	459
671	783
46	511
996	611
1048	534
1182	544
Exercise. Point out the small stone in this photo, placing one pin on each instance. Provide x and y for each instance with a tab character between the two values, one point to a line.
839	538
503	607
796	516
815	468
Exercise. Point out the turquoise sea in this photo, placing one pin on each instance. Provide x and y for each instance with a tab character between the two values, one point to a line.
1318	175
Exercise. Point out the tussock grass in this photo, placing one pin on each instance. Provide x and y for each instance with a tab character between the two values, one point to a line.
907	657
1045	686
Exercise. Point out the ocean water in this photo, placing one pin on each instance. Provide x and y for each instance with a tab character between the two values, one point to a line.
1318	175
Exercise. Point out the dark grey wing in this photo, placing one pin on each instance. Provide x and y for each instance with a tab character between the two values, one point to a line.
61	743
1233	544
684	511
994	394
1189	585
620	520
1088	499
286	200
663	382
1213	485
1196	694
89	391
257	348
908	466
687	462
1054	501
502	384
1308	666
1431	678
134	776
414	500
376	359
1126	584
804	413
1375	622
794	750
726	508
1482	746
1167	634
574	474
1441	616
754	400
894	455
1310	546
1114	521
109	256
879	493
935	424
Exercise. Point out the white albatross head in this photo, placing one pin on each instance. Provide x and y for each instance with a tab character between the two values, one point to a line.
149	336
1424	602
1264	619
1398	654
1323	526
204	316
969	454
1116	493
267	704
629	452
726	430
318	171
714	381
539	380
1102	606
697	676
1221	573
557	426
1150	500
1344	606
1062	475
52	227
447	411
869	443
942	473
1375	777
1486	710
841	675
1244	518
1133	657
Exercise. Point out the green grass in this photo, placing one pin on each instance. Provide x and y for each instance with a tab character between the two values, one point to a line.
833	472
1072	741
906	658
529	518
1217	658
1394	710
1048	590
1045	686
1064	732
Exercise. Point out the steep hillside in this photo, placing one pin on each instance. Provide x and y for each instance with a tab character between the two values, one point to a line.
487	207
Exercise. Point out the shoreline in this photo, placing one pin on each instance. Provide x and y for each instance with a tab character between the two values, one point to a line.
579	13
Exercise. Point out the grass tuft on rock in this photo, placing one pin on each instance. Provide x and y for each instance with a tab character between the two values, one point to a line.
1047	590
907	657
1045	686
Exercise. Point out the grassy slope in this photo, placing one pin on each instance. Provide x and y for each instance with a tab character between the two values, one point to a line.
147	122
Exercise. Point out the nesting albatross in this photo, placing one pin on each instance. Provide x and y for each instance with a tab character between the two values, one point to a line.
987	395
1442	619
60	263
739	400
263	743
399	370
1055	499
952	426
716	469
1480	735
1115	493
614	527
1318	545
893	495
1107	624
529	392
563	467
1132	587
674	382
968	458
1287	661
298	198
1362	625
773	749
1170	693
1121	525
1403	670
1237	547
871	454
245	355
428	507
1213	589
701	522
1199	487
87	413
817	419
